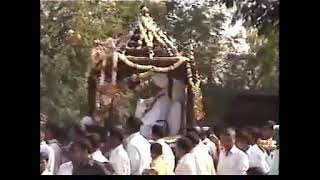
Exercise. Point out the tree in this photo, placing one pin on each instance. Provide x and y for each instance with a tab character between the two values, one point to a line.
262	14
68	31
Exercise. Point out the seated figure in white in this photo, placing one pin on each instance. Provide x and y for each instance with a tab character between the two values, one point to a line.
161	108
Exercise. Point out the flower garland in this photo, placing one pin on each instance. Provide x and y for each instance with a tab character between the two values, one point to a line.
181	61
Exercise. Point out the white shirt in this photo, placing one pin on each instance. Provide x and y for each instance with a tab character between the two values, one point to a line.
210	145
120	161
98	156
44	147
236	163
257	158
186	165
46	172
65	169
57	154
168	155
138	149
204	161
275	164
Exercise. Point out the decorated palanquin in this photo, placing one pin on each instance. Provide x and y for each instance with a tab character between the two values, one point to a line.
145	55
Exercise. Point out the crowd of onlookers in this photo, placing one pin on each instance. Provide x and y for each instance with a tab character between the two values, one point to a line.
244	151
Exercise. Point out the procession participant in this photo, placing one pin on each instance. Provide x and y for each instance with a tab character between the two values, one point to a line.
158	135
43	164
44	147
158	161
213	138
256	157
204	161
82	164
186	164
266	141
137	147
67	167
52	132
232	161
96	154
119	158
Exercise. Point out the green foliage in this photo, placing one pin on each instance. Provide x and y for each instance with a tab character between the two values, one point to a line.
68	31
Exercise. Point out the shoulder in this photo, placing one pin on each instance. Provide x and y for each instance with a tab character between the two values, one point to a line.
239	153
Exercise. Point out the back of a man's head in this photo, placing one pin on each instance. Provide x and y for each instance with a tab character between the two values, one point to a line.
158	131
83	144
94	140
193	137
133	124
55	130
156	148
185	144
117	133
255	171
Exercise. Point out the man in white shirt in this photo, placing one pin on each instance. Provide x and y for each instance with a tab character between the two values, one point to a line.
204	161
96	154
43	164
45	148
52	131
187	163
138	148
119	158
257	158
232	161
158	135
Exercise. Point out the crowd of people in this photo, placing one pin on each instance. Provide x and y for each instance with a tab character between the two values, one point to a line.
241	151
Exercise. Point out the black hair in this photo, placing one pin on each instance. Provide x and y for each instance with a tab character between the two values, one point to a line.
133	123
203	135
83	144
255	171
156	148
53	127
268	124
116	132
185	144
80	130
228	132
94	140
193	137
243	134
158	131
255	133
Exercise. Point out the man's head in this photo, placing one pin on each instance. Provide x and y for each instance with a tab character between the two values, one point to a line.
80	151
133	124
194	138
156	150
79	131
158	132
43	161
255	134
243	139
94	140
203	135
228	138
267	129
53	130
255	171
116	137
183	146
